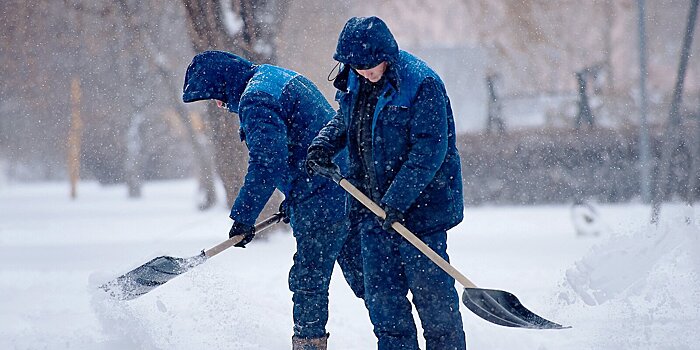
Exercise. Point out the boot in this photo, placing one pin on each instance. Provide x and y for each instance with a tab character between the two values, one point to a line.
310	344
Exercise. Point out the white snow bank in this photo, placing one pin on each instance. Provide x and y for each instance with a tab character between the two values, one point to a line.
645	278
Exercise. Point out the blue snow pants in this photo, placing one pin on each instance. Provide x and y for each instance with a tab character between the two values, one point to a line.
319	245
392	267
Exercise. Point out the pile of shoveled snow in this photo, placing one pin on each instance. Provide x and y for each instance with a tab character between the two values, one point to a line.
645	279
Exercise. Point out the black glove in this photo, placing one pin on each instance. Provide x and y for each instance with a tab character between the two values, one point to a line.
241	229
392	216
318	162
284	210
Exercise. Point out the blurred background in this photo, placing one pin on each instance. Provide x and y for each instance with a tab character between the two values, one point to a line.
555	101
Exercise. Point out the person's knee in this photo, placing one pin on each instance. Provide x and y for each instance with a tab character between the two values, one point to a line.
393	341
309	273
454	340
309	284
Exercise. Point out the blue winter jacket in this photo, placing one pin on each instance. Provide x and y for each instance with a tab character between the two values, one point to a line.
416	163
280	113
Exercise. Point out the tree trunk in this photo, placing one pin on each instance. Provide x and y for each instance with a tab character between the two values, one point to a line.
135	74
74	138
134	146
200	146
671	138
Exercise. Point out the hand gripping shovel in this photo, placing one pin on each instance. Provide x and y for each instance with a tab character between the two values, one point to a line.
156	272
495	306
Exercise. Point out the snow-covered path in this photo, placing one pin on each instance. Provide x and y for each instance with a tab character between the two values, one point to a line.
634	287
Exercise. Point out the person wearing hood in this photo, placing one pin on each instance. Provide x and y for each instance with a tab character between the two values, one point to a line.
395	120
280	112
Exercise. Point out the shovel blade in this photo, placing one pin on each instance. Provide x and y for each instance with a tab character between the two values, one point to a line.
503	308
149	276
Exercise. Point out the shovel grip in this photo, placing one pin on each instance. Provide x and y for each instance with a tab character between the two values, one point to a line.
261	226
408	235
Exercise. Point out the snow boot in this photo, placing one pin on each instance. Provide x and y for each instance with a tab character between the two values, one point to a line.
311	343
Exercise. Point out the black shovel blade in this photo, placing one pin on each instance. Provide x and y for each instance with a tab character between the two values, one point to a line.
149	276
503	308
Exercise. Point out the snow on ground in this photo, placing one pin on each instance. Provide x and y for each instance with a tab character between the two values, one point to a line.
632	287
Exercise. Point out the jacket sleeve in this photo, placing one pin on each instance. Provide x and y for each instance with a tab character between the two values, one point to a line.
333	136
427	147
266	138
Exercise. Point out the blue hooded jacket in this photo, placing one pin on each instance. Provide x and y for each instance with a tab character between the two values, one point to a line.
280	112
416	163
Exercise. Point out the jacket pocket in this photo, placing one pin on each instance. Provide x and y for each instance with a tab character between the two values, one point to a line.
394	124
395	116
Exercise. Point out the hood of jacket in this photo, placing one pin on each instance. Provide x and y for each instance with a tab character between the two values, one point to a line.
366	42
217	75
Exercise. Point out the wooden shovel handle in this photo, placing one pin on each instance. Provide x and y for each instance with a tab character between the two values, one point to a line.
408	235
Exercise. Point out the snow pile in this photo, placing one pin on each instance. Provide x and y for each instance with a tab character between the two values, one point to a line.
645	280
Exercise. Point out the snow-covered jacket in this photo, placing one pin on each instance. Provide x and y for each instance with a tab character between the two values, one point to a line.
280	112
416	163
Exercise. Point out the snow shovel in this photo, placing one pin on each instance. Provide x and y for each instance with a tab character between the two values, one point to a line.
156	272
495	306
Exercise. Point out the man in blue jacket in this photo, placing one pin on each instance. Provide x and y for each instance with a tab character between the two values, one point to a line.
280	112
396	121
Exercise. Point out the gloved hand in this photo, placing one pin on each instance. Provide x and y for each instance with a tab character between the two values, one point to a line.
318	162
284	210
241	229
392	216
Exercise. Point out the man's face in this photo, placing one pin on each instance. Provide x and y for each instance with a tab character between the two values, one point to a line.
373	74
